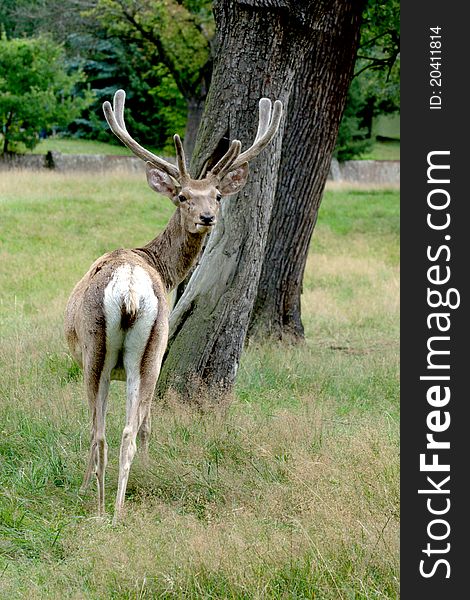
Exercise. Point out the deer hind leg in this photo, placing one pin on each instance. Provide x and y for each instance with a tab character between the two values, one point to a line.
142	369
99	448
91	456
129	434
98	387
138	417
145	430
150	366
101	445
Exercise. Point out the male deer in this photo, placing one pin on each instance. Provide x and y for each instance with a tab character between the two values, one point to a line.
116	321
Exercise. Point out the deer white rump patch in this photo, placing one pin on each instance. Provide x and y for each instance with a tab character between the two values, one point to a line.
130	292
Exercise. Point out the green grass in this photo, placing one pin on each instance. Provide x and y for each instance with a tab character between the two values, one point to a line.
389	150
290	493
380	150
387	125
80	146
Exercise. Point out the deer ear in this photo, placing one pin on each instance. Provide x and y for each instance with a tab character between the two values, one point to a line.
234	180
161	182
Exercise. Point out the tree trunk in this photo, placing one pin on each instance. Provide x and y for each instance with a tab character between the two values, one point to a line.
195	110
368	114
315	110
258	52
6	131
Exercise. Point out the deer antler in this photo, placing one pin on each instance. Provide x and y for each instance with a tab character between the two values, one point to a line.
180	157
228	158
115	118
268	125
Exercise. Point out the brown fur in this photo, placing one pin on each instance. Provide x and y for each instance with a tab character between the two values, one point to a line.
166	260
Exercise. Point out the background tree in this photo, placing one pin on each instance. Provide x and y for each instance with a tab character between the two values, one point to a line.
375	89
30	18
157	50
156	108
36	91
354	137
174	34
260	46
378	60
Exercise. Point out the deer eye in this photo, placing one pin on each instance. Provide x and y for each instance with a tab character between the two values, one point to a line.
182	198
218	197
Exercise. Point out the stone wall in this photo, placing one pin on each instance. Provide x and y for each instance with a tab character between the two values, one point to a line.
26	161
361	171
73	162
366	171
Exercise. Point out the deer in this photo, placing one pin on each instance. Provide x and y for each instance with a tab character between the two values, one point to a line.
117	316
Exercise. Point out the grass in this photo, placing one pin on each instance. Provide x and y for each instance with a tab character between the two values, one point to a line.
291	493
81	146
389	150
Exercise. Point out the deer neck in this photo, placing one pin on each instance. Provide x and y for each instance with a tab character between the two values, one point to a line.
173	252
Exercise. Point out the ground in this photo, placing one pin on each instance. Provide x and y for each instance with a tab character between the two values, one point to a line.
291	491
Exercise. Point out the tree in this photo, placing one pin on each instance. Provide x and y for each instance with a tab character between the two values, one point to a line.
174	33
155	49
36	91
376	84
354	138
314	117
109	64
260	45
315	113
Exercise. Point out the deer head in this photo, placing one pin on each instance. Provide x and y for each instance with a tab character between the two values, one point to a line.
198	199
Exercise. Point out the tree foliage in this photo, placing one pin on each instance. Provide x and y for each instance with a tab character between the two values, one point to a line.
36	90
159	51
174	39
378	60
156	108
380	40
177	34
30	18
353	136
376	86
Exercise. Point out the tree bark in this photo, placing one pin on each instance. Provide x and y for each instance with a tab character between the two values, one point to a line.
259	48
6	129
195	110
315	110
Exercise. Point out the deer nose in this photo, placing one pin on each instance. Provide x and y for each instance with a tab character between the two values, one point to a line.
207	218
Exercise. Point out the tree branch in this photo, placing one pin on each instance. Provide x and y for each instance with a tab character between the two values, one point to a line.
163	55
